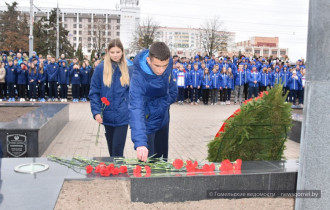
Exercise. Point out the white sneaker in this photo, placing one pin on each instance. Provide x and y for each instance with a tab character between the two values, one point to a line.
49	100
23	99
56	100
66	100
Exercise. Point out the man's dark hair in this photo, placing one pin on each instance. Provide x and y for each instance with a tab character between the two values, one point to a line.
160	51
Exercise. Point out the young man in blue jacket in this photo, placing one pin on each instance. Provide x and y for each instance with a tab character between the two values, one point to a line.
153	89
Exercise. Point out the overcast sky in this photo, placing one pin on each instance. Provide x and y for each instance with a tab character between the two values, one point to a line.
286	19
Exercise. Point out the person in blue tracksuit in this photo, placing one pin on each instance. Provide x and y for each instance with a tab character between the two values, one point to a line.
294	82
41	82
11	77
265	79
111	79
284	79
75	75
181	81
246	85
22	80
239	77
63	80
32	82
206	85
276	77
187	89
230	84
254	79
152	91
4	60
84	81
34	56
223	85
302	86
195	82
215	77
52	76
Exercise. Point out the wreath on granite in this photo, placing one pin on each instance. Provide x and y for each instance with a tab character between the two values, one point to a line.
256	131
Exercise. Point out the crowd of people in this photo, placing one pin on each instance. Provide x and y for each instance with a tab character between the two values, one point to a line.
216	78
37	79
210	79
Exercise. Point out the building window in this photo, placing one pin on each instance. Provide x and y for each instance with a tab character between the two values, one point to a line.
266	51
109	33
118	20
80	19
257	51
89	20
80	32
89	32
74	32
274	52
74	25
118	33
89	39
80	25
80	38
65	25
74	38
282	53
117	27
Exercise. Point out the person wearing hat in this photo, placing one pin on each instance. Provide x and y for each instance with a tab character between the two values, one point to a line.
294	82
34	55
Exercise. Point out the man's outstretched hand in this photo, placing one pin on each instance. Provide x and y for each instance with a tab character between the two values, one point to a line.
142	153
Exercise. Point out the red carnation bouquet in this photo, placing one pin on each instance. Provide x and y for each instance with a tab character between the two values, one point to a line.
105	103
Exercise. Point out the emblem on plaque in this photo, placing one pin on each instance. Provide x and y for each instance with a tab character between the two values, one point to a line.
16	145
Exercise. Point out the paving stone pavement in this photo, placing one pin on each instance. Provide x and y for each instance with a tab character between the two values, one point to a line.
191	128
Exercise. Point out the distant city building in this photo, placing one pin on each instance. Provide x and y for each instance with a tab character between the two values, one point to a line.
262	46
187	42
90	27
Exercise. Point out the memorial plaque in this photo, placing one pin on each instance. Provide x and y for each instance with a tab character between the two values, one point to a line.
16	145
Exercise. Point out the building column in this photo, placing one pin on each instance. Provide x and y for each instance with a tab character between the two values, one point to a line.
314	163
92	32
106	29
77	29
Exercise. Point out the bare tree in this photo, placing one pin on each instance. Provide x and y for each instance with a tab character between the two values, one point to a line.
144	34
213	36
98	35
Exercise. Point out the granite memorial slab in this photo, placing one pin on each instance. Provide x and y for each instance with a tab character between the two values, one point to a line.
31	134
41	190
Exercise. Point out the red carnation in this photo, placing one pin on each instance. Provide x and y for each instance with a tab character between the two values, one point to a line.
226	165
195	164
206	168
148	169
123	169
239	161
89	169
136	174
97	169
137	169
147	175
212	167
177	163
104	171
105	101
115	171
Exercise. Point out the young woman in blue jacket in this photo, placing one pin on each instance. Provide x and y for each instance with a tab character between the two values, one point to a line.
32	81
111	79
230	85
294	83
223	86
207	85
75	75
85	74
63	80
41	82
265	79
22	80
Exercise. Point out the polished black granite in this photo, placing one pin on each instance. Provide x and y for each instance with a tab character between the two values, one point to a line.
41	190
40	126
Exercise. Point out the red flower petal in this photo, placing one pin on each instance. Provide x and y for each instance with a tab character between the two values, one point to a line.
212	167
147	175
123	169
97	169
177	163
148	169
206	167
138	169
239	161
115	171
89	169
104	171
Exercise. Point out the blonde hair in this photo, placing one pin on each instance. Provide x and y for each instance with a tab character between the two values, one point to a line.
108	71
